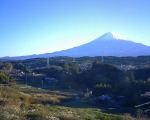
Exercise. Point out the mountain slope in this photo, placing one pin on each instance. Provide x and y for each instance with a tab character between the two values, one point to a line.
109	44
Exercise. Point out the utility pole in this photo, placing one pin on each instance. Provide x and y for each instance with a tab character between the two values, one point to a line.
87	90
48	62
102	60
26	81
42	83
121	52
70	87
33	80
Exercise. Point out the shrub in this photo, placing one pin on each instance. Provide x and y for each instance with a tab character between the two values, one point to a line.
3	78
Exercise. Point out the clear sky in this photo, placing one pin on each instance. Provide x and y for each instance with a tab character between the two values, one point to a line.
43	26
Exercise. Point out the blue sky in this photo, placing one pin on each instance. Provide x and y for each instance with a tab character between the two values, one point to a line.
44	26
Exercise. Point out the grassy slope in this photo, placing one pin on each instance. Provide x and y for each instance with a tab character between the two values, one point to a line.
16	104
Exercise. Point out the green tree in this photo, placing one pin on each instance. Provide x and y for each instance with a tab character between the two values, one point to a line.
148	80
3	78
101	89
95	63
22	67
8	66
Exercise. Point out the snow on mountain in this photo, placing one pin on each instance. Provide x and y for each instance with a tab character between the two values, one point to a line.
109	44
112	36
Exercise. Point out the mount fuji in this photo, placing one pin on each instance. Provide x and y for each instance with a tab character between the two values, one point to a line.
109	44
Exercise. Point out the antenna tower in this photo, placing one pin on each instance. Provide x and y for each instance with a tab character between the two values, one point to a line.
102	60
48	62
121	54
73	55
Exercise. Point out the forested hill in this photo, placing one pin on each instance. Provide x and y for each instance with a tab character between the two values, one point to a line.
42	62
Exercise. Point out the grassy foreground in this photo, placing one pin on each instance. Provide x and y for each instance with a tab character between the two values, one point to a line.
17	104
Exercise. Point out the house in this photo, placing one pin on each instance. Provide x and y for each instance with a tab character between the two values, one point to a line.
105	97
50	80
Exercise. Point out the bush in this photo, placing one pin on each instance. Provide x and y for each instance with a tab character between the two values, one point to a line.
3	78
104	116
35	116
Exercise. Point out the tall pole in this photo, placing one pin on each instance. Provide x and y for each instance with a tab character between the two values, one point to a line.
48	62
70	87
33	80
87	90
26	80
102	56
73	55
102	59
42	83
121	57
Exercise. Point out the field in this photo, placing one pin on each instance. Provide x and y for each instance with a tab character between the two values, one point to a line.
19	102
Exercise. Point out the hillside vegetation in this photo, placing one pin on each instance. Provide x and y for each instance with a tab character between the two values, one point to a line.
69	89
15	105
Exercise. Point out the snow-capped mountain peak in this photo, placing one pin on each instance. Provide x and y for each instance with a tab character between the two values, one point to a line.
112	35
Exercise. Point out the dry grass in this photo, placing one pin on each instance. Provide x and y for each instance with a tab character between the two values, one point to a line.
48	98
15	105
